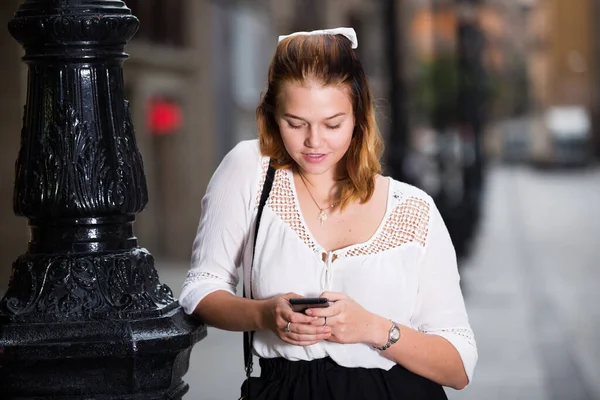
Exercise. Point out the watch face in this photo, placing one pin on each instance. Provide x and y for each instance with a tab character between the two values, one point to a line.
395	334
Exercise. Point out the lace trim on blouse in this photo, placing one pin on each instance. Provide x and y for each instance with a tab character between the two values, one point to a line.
263	175
407	223
465	333
281	201
196	276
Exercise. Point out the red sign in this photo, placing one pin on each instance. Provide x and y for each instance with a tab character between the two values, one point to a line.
165	117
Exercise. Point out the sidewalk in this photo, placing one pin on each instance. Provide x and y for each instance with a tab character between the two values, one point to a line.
499	307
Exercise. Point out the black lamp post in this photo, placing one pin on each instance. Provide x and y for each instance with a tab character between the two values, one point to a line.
85	315
398	137
471	110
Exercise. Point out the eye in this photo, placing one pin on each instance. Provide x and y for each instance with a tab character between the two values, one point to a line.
334	126
294	126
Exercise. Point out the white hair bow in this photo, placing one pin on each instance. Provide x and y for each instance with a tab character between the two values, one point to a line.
348	32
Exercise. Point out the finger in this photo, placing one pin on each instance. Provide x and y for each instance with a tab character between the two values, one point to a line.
333	339
298	337
323	312
309	329
334	296
292	295
298	318
320	321
331	322
309	343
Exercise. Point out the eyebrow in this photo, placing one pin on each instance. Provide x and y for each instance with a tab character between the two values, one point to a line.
328	118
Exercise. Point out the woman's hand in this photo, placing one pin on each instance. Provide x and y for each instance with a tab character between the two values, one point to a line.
277	312
349	321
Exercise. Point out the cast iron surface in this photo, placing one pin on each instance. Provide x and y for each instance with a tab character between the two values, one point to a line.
85	315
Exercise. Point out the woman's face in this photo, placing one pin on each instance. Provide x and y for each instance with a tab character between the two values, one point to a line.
316	123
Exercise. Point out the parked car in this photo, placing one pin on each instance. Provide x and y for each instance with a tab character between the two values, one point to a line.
516	141
569	131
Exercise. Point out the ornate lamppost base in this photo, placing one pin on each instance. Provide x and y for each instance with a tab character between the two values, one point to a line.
62	337
143	359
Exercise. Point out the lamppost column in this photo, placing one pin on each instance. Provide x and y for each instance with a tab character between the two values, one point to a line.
85	315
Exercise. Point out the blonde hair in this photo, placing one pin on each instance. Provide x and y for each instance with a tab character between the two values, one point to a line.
328	60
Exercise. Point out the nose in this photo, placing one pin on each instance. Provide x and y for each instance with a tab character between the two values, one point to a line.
314	137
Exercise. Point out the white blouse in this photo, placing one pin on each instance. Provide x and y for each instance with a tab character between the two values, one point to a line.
406	272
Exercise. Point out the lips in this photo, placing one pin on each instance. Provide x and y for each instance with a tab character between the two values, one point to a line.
314	157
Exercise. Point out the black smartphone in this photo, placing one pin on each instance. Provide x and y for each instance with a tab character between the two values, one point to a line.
300	305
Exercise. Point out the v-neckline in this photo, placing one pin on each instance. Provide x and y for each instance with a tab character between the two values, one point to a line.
290	177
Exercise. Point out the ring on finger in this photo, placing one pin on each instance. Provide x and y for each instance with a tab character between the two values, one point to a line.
287	327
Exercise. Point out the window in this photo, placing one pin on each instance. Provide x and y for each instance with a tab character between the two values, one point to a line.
161	21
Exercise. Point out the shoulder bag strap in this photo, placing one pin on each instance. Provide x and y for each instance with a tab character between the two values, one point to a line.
249	336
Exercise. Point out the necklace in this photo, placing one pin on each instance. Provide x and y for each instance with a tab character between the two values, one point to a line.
322	217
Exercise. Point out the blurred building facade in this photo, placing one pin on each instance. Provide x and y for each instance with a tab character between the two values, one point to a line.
562	65
562	62
169	82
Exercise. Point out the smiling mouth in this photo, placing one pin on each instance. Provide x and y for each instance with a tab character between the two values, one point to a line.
314	157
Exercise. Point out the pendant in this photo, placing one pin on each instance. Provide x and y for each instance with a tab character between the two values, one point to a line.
322	216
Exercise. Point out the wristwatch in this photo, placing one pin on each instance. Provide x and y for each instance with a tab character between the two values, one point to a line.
393	337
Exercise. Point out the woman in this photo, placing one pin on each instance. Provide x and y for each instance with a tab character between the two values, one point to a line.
332	227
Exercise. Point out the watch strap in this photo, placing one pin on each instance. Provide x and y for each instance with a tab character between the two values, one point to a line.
390	341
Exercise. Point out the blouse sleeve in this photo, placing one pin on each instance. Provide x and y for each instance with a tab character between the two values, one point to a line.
224	226
440	308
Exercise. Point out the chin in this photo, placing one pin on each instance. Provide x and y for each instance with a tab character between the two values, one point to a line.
315	169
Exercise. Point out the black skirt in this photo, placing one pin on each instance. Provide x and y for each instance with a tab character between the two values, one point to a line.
324	379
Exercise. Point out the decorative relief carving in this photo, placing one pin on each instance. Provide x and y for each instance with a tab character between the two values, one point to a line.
70	287
130	169
70	173
104	29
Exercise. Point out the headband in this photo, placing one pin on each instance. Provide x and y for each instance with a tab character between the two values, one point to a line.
348	32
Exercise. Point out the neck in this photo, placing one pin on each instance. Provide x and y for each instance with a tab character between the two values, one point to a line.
325	188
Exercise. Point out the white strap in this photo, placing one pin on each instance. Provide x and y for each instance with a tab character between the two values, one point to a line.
348	32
